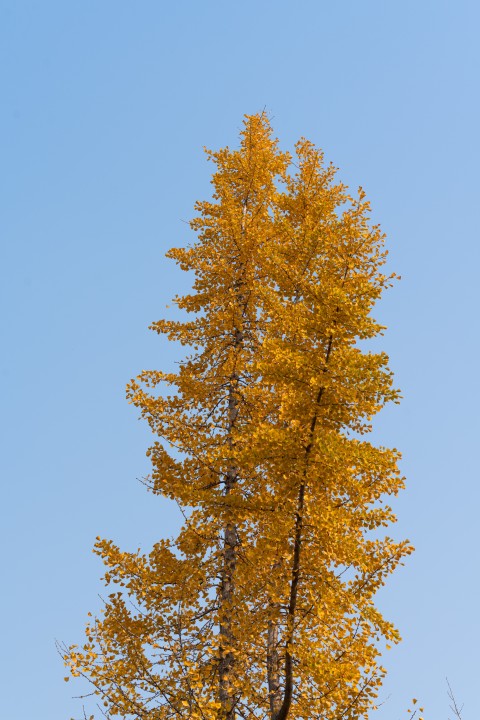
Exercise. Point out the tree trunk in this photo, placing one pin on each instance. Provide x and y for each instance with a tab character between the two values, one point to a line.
273	669
284	710
230	538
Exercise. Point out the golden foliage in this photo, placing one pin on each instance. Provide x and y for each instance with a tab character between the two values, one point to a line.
263	606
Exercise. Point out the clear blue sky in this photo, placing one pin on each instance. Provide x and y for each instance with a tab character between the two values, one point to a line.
105	107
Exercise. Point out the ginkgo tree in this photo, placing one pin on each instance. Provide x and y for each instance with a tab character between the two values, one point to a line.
262	607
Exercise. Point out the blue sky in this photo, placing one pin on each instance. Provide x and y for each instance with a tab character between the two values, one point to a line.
105	107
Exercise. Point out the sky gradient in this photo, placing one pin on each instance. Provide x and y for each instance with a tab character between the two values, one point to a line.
105	108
